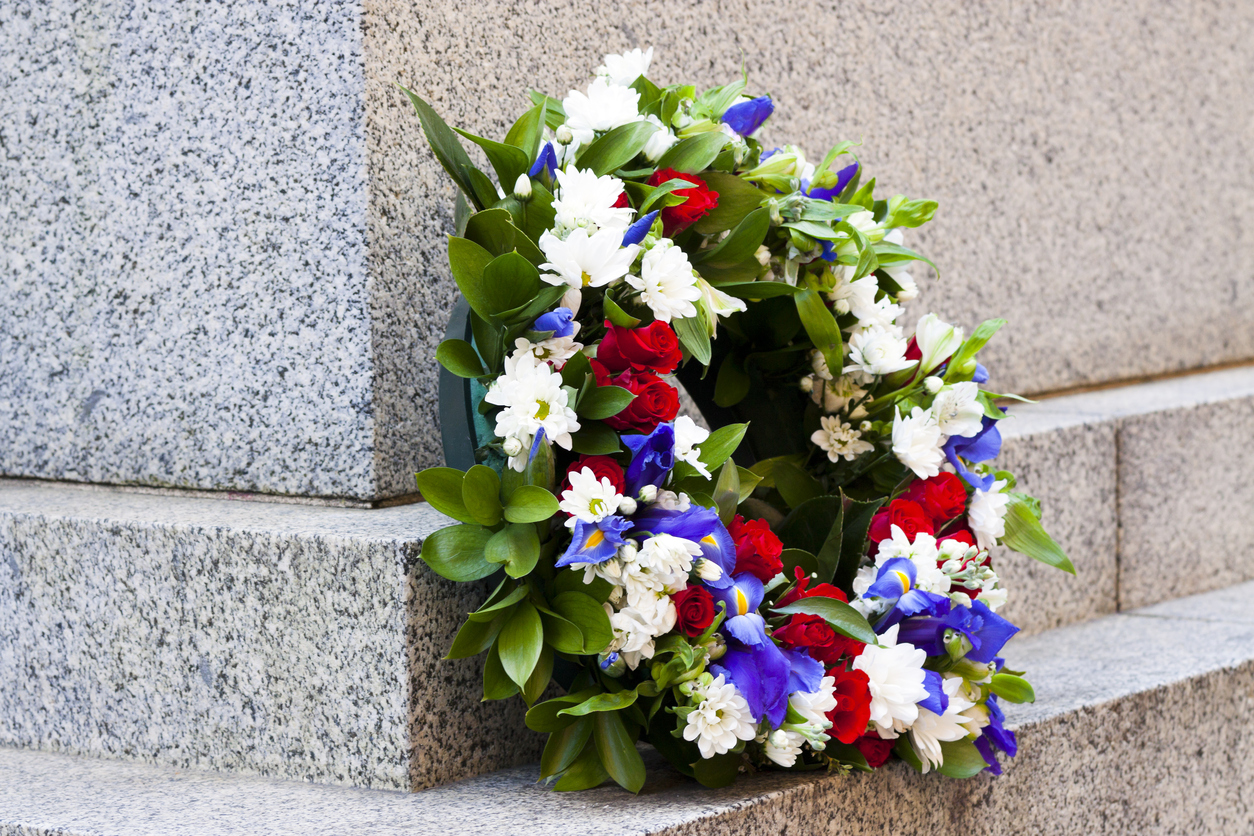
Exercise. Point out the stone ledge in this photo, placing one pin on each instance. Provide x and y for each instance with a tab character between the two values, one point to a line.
290	641
1128	736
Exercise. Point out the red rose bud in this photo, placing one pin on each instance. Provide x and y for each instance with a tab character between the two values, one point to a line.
875	750
942	497
853	708
757	549
656	400
622	202
695	610
823	590
698	201
603	466
907	515
654	348
812	633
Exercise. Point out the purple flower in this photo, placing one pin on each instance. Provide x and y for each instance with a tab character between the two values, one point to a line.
842	180
937	700
747	117
546	160
760	673
652	458
981	447
987	631
895	583
636	232
559	321
742	597
805	672
995	734
594	542
699	524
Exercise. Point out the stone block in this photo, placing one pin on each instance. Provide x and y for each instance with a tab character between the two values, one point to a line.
1128	736
282	640
223	232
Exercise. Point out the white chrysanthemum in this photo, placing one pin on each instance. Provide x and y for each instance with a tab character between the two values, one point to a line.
604	107
987	514
840	440
556	350
814	705
633	635
532	395
661	140
853	297
588	498
671	501
994	598
958	410
666	282
937	341
583	199
624	69
900	272
836	395
668	557
721	718
931	729
923	553
584	260
918	442
717	303
877	351
688	435
895	679
783	747
881	314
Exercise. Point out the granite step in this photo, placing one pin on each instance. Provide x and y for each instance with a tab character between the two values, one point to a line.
1140	727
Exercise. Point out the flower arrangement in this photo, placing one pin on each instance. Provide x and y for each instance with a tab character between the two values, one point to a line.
828	600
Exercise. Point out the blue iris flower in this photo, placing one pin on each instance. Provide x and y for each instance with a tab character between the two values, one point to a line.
895	583
996	734
545	160
636	232
829	251
805	673
747	117
559	320
842	180
699	524
987	631
981	374
981	447
937	700
760	673
595	542
652	458
742	597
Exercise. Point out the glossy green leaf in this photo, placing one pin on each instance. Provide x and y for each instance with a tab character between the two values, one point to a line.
600	702
520	642
441	487
842	618
457	552
527	132
595	439
460	358
828	557
474	637
468	261
1025	535
821	327
808	525
496	683
562	634
736	199
617	315
516	547
718	771
618	751
727	491
510	281
448	150
585	772
507	161
616	148
693	155
720	445
1012	688
732	384
589	616
544	716
540	676
604	402
857	518
967	351
530	504
795	485
564	745
491	609
481	494
792	558
492	229
741	243
663	194
694	336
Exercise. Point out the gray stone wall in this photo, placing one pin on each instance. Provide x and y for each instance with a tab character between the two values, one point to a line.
222	254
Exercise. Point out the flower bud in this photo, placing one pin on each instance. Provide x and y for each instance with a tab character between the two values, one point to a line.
627	506
512	446
716	646
611	664
763	255
708	570
571	299
522	187
627	553
933	384
648	493
563	135
807	383
866	426
778	738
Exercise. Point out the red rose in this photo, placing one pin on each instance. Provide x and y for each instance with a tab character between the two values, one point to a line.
942	497
654	348
814	634
823	590
874	749
757	549
699	200
853	706
695	610
603	466
622	202
656	400
910	516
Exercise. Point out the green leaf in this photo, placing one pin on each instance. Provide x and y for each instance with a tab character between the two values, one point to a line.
795	485
617	315
857	521
758	290
843	618
736	199
474	637
490	340
442	488
695	336
727	491
732	384
748	481
1012	688
496	683
618	751
544	717
847	754
604	402
720	445
507	161
540	676
516	547
481	494
663	193
563	635
910	213
962	759
718	771
485	191
460	358
793	558
1025	535
808	525
527	132
888	253
468	260
693	155
589	616
530	504
555	113
492	229
741	243
520	643
456	552
491	609
585	772
564	745
828	558
595	439
600	702
978	339
510	281
450	153
822	329
617	148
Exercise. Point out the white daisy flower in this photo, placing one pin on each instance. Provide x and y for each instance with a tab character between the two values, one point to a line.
877	351
931	729
584	260
582	199
667	283
604	107
895	679
958	410
588	498
987	514
721	718
534	399
840	440
661	140
624	69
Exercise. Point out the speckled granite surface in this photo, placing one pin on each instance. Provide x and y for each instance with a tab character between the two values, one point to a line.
269	639
1128	736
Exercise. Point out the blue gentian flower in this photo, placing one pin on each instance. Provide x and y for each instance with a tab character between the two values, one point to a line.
595	542
652	458
895	583
981	374
747	117
981	447
742	597
545	160
636	232
987	631
842	180
995	734
699	524
559	320
760	673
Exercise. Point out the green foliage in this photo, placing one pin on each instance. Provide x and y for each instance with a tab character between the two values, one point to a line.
563	746
481	491
595	439
694	336
507	161
732	384
441	487
736	199
448	151
600	702
457	552
587	614
822	329
842	618
520	642
720	445
617	750
603	402
741	243
617	315
516	547
460	358
1025	535
693	155
967	351
530	504
616	148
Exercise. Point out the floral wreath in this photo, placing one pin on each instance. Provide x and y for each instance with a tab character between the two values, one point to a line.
806	584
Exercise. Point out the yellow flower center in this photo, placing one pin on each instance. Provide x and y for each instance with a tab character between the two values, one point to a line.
542	410
742	603
597	506
595	538
586	279
905	581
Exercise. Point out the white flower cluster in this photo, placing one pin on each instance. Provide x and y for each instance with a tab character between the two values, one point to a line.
721	717
949	567
783	745
533	400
